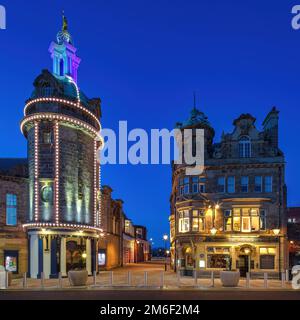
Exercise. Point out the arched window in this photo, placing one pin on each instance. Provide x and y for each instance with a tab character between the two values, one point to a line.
61	68
245	147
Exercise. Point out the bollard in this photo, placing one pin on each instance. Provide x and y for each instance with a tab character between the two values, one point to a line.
42	280
162	279
60	281
248	280
129	278
146	278
6	281
212	279
283	279
287	275
25	280
178	278
111	278
195	277
95	278
265	280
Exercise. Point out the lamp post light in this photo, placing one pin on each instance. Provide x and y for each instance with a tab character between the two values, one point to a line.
165	238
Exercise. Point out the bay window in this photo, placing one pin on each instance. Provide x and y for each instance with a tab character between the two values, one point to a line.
245	220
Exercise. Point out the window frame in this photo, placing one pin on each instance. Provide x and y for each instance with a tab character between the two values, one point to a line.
245	147
9	206
231	185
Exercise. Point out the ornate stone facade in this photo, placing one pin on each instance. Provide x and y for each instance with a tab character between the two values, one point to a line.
233	215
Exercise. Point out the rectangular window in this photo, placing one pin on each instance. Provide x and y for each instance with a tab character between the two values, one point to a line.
258	184
267	262
269	184
244	184
246	225
228	220
255	224
217	261
231	185
184	221
237	220
221	184
202	187
186	185
262	216
195	184
198	221
11	209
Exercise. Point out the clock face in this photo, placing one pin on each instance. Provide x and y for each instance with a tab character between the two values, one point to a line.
47	194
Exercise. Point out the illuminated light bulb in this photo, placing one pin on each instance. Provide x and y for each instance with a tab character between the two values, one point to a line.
217	207
276	231
213	231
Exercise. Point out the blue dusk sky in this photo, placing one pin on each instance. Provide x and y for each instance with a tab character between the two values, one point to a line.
144	59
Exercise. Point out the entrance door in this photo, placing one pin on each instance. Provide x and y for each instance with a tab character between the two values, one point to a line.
244	265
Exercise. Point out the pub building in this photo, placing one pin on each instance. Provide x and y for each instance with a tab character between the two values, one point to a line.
233	214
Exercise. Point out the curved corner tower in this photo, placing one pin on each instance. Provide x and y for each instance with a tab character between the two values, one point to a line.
62	128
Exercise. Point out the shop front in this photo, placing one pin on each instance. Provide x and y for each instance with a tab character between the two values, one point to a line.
206	257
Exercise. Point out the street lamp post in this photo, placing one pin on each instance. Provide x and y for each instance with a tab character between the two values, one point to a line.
165	237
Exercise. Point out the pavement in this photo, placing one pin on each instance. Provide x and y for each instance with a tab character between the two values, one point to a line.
133	283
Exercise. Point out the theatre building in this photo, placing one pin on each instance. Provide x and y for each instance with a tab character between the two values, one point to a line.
233	214
61	125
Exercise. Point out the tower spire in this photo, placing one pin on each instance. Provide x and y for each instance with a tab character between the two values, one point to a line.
194	100
65	22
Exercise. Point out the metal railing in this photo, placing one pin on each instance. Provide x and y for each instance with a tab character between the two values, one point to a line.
150	279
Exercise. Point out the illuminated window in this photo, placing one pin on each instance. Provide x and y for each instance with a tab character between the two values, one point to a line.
245	147
184	221
198	222
268	184
255	221
245	220
11	209
228	220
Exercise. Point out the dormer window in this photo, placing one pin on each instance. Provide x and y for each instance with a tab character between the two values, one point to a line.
245	147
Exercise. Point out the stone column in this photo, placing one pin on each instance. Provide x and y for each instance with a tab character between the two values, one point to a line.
34	256
88	256
47	256
63	255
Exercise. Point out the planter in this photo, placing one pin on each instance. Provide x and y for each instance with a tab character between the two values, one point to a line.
230	278
78	278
